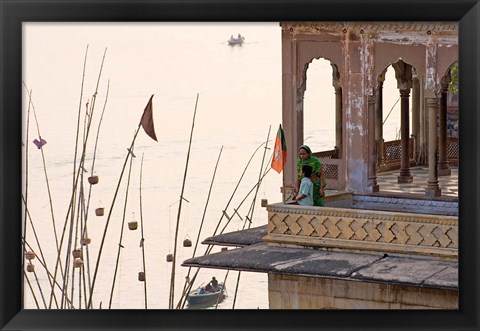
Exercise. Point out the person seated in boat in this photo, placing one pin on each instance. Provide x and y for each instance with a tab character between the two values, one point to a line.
209	288
214	282
231	37
239	36
201	290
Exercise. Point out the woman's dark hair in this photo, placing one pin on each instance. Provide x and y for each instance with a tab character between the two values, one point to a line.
307	170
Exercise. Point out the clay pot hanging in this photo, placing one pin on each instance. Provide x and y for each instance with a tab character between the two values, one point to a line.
133	225
264	202
169	258
93	180
85	241
141	276
30	267
77	253
30	255
99	211
77	263
187	243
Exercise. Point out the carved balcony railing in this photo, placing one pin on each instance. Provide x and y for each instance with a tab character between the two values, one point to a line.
367	230
332	168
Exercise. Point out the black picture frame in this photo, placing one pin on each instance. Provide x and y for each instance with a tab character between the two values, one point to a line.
14	13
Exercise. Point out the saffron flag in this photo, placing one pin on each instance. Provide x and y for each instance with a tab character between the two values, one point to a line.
279	151
147	120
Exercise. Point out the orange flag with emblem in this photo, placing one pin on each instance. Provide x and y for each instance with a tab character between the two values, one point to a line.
279	151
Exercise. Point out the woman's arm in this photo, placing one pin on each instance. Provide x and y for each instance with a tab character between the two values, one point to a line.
323	184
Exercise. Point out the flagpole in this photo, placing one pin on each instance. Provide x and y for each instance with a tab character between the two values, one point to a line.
172	278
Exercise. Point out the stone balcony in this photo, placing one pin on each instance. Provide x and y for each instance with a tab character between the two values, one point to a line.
362	230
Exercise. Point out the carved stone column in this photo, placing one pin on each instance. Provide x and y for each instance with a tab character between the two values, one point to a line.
433	189
416	116
379	123
405	175
372	169
443	164
338	120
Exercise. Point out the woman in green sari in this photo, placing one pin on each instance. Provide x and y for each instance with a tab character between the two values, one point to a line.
305	157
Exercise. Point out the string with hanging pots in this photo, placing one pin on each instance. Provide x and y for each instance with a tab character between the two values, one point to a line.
77	253
30	255
133	225
30	267
186	242
100	210
77	263
93	179
85	241
170	255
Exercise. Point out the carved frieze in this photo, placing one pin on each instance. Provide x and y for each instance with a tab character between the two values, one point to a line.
363	27
363	230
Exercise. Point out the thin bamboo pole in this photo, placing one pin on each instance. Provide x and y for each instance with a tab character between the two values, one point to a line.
44	168
172	278
209	247
120	246
72	199
251	211
86	130
223	290
27	213
31	289
236	187
22	299
142	240
185	289
108	219
85	228
49	274
76	176
80	214
40	289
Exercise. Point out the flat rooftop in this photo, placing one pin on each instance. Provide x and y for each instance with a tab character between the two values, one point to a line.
327	263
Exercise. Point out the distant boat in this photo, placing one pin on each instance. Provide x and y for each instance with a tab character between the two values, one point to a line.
236	41
202	297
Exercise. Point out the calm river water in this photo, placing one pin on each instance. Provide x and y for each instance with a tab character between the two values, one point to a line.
239	101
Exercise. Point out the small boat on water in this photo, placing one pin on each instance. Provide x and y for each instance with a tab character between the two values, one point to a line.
202	296
236	41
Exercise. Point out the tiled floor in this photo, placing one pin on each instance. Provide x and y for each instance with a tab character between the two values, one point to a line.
388	182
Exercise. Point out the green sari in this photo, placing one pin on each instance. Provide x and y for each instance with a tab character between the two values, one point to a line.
314	162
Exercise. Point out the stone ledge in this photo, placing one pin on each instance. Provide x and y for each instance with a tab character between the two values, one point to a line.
370	267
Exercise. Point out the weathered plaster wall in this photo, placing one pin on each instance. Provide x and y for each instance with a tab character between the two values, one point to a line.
297	292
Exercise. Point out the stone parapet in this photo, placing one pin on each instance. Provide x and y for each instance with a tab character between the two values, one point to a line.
405	204
362	230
